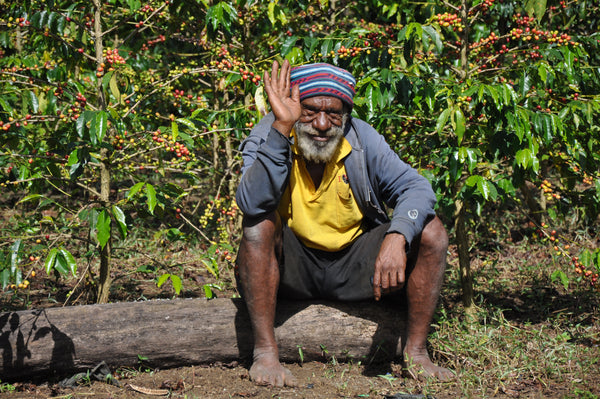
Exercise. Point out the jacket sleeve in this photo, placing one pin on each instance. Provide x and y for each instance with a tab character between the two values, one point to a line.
266	156
401	188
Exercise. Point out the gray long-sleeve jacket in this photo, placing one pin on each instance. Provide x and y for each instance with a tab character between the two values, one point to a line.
376	174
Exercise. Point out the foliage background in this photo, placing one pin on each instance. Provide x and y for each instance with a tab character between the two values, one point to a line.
121	120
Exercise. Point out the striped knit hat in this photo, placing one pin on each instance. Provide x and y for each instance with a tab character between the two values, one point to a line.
323	80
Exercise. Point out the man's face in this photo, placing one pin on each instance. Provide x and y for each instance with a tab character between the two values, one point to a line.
320	127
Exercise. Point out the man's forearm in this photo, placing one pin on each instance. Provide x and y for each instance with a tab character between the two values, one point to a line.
263	184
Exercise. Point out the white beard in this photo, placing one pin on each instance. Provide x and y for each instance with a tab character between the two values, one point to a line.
318	151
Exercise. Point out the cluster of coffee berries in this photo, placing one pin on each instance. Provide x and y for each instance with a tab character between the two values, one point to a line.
549	192
448	20
112	56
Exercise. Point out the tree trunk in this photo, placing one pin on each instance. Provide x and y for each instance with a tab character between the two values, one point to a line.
537	208
57	342
105	253
464	259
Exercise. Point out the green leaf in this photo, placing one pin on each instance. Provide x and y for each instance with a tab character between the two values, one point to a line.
271	12
174	130
295	55
31	197
101	124
121	220
442	119
468	156
416	28
288	45
459	124
134	5
50	260
586	258
134	190
493	92
189	124
83	119
536	8
103	228
162	279
14	256
33	101
222	14
212	267
151	198
177	284
429	32
487	189
208	292
61	264
543	72
5	278
70	261
114	88
526	159
472	181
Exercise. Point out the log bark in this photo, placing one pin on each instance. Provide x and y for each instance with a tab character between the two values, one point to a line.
56	342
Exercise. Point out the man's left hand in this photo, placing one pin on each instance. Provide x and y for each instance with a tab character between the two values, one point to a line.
390	265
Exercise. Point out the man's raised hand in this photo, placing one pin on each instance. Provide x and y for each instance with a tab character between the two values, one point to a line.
284	103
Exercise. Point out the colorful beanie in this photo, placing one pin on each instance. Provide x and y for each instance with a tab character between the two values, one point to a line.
323	80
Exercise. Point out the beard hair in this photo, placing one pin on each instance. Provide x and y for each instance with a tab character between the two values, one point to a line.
319	151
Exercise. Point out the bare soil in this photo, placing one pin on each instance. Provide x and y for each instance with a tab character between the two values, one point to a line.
326	379
316	380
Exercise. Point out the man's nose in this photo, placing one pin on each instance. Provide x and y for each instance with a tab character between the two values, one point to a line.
321	122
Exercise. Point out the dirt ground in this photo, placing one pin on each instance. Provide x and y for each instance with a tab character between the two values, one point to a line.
316	380
326	379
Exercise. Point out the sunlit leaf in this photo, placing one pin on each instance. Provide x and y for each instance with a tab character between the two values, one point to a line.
50	260
103	228
151	198
134	190
70	261
121	220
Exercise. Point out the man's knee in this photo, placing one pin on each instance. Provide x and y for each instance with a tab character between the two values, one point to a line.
434	237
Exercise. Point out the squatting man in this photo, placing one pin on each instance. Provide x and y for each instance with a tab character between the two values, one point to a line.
314	187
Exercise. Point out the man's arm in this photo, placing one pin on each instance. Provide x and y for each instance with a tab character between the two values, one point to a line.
402	188
411	197
264	181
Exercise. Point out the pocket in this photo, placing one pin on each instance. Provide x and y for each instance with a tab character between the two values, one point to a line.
343	188
348	214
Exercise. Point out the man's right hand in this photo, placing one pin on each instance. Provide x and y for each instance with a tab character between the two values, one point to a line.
284	103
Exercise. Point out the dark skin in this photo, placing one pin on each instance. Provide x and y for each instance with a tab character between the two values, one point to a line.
260	251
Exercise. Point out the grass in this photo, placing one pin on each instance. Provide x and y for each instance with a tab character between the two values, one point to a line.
527	335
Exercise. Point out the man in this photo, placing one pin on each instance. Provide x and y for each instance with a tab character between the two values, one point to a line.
313	188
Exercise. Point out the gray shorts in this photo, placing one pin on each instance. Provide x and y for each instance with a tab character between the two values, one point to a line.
346	275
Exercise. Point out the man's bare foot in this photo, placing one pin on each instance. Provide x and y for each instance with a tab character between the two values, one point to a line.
266	370
419	366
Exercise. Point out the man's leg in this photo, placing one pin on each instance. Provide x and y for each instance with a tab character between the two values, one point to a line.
423	288
258	268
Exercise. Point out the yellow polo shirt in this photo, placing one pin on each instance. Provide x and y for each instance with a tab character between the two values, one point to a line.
328	217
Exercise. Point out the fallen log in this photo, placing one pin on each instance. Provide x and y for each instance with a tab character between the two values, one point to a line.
55	342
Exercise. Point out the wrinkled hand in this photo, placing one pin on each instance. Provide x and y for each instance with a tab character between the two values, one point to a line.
390	265
285	104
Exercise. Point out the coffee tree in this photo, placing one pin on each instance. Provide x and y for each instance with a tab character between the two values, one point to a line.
107	118
120	111
496	102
